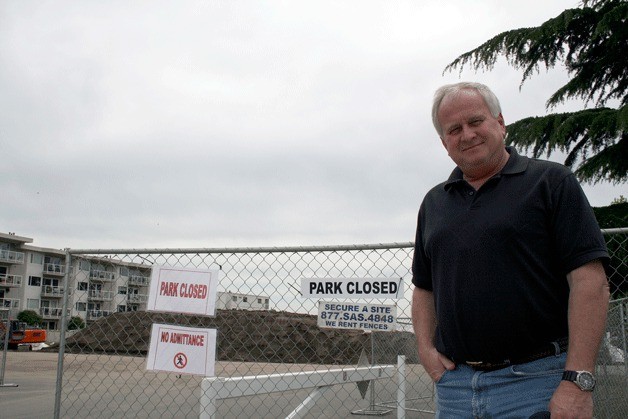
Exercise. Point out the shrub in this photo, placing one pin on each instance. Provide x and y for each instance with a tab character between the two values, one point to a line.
30	317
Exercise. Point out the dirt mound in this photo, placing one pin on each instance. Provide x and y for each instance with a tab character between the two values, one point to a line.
246	336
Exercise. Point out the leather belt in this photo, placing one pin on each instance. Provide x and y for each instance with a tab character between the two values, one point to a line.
553	348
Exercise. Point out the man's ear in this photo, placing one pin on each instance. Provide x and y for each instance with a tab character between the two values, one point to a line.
500	119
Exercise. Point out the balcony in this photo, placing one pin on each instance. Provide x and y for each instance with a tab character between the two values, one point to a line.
96	314
10	281
137	298
54	269
52	312
9	256
8	303
52	292
139	280
97	295
102	276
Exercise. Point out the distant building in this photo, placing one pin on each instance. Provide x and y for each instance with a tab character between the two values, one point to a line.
233	300
31	278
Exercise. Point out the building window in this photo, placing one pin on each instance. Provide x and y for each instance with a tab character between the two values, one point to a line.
259	301
121	309
81	307
51	281
84	265
122	290
234	298
32	304
82	286
245	299
37	258
34	281
124	271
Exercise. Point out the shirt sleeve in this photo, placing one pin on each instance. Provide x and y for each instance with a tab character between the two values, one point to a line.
421	266
576	233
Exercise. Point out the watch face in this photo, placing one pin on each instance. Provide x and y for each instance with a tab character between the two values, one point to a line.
585	380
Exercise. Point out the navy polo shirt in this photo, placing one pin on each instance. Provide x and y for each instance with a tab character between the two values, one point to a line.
496	259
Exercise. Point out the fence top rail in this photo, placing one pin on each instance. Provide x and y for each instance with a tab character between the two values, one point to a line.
615	230
280	249
287	249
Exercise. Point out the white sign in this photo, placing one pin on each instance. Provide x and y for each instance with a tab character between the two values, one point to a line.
184	350
357	316
351	288
181	290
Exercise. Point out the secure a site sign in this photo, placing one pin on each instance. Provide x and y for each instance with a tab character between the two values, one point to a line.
184	350
375	317
179	290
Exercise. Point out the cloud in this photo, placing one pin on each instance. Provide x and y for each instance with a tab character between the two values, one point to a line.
204	124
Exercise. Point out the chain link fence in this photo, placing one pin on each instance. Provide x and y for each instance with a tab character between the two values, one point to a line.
264	327
611	397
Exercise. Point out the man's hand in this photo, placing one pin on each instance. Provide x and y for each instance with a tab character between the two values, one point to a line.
569	402
435	363
424	323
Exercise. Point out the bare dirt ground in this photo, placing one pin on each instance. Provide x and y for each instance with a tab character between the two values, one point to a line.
104	367
248	336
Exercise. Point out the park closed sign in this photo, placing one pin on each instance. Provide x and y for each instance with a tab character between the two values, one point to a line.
352	288
179	290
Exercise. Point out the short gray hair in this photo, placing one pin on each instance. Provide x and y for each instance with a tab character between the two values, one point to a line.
453	89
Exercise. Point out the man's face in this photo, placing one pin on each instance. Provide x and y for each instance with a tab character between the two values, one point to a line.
474	138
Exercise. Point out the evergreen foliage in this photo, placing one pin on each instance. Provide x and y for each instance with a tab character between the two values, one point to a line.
76	323
612	216
592	43
30	317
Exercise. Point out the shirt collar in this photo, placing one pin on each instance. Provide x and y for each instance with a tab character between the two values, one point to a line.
515	164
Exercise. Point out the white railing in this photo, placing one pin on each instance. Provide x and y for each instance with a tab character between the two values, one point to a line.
52	291
137	298
10	280
52	312
139	280
218	388
11	256
95	314
102	275
100	295
54	268
9	303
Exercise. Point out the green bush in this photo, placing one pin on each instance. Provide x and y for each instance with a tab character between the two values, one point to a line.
76	323
30	317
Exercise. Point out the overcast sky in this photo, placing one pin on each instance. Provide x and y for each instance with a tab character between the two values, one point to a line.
239	123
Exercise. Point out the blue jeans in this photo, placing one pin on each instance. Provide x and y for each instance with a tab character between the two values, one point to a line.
517	391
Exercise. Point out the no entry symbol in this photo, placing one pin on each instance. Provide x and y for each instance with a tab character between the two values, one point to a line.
180	360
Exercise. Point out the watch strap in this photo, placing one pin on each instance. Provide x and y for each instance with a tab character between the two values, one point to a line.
576	377
570	375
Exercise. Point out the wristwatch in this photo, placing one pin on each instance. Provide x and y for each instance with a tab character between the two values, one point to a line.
583	379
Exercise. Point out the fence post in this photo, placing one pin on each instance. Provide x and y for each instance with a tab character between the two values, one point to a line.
401	390
7	333
624	321
64	323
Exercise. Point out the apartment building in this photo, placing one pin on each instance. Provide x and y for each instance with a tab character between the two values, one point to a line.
32	278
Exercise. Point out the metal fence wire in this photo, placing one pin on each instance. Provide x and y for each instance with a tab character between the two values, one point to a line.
264	327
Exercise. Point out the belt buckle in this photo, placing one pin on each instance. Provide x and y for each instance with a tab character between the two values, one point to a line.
474	363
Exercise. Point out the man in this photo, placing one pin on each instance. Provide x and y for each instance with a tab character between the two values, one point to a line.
510	289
